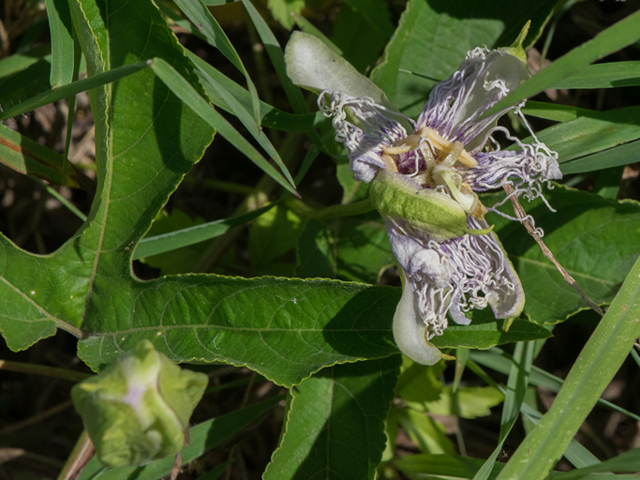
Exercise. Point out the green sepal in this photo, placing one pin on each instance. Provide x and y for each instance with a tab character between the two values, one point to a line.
516	47
137	409
430	213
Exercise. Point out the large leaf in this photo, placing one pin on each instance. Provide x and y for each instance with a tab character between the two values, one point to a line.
595	239
434	36
284	329
138	166
147	140
335	423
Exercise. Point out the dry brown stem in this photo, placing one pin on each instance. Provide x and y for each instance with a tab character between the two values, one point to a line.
528	224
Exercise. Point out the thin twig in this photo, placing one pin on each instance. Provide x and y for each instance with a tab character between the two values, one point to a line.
14	427
528	224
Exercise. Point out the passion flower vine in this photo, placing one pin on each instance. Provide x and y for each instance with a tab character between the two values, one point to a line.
424	175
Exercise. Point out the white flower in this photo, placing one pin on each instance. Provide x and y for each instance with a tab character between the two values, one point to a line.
424	183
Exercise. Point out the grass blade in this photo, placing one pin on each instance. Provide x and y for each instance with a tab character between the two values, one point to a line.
30	158
202	18
613	157
69	89
171	241
604	75
245	117
514	397
500	361
183	90
21	61
558	113
614	38
595	367
276	55
272	117
62	55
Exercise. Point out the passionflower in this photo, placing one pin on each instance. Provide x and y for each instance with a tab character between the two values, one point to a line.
424	175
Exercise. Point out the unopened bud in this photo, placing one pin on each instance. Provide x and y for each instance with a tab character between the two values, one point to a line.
138	408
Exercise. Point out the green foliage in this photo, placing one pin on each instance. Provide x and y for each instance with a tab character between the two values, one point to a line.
307	302
433	38
586	236
334	423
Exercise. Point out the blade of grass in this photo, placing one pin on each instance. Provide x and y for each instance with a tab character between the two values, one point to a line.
575	452
614	38
558	113
598	362
188	236
244	116
62	45
604	75
462	355
30	158
183	90
628	462
514	397
271	117
202	18
613	157
69	89
309	157
271	45
54	193
500	361
21	61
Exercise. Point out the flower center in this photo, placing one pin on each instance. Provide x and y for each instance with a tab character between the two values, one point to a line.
434	159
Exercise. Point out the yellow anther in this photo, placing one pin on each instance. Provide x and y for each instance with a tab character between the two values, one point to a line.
445	146
388	161
480	211
403	146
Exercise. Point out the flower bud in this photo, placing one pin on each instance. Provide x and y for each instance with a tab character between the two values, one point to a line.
138	408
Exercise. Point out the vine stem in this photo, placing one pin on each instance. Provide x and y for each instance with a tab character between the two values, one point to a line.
80	456
528	224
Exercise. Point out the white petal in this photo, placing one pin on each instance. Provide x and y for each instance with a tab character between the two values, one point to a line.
409	330
313	65
455	105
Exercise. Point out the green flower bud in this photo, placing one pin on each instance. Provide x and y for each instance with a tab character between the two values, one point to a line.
430	213
138	408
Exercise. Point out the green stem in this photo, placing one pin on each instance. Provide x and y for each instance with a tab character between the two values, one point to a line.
43	370
54	193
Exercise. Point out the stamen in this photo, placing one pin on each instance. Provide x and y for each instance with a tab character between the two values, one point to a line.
403	146
445	146
389	163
